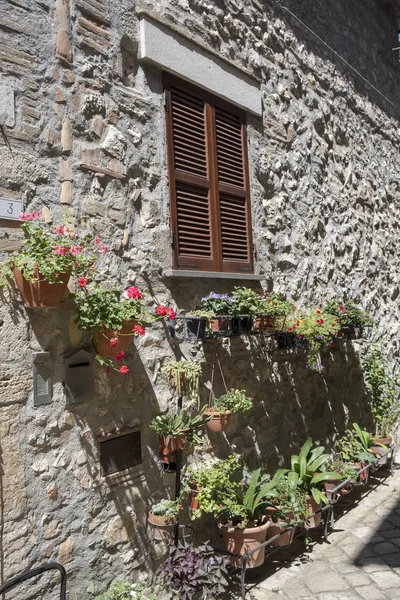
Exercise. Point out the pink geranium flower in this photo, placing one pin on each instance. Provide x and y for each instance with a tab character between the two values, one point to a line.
123	369
134	292
82	281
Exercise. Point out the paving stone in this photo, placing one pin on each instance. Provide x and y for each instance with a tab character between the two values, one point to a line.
371	593
386	579
346	567
351	595
371	564
393	559
326	582
390	533
384	548
357	579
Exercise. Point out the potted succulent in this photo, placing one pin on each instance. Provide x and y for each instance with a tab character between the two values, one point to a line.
316	329
163	517
221	306
288	505
244	521
111	317
308	471
245	308
49	256
184	377
174	430
270	306
230	403
194	573
351	317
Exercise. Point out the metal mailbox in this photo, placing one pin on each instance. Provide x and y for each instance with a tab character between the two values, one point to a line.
79	377
42	388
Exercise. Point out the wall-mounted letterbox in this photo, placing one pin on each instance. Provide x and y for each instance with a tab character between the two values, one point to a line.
79	377
41	378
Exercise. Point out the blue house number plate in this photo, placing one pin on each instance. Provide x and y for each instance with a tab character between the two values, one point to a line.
10	208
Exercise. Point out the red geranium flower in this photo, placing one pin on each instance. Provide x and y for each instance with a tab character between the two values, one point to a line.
161	310
171	313
114	342
341	308
123	369
120	355
82	281
133	292
139	329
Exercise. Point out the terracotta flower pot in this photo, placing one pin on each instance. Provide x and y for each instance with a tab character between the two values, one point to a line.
383	440
169	446
219	421
163	529
101	340
275	528
312	507
265	323
193	497
221	323
329	485
357	466
241	541
41	293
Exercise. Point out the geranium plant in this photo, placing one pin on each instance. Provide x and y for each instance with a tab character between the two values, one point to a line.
274	305
105	314
317	329
50	251
348	313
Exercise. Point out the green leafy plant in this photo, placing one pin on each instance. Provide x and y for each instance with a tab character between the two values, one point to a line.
274	305
234	400
308	470
48	251
347	447
218	304
172	424
289	499
247	302
215	484
384	389
124	590
184	376
317	329
346	471
192	573
347	312
166	508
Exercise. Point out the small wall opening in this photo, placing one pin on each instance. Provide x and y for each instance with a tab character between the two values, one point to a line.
120	452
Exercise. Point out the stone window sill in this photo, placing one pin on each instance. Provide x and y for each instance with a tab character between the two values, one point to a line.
177	273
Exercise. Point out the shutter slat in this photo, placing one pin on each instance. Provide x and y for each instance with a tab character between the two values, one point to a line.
189	134
234	236
229	148
193	221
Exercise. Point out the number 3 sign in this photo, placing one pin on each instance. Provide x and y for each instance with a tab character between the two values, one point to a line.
10	209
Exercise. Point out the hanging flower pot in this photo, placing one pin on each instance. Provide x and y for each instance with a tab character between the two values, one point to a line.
242	541
41	293
276	528
221	323
265	323
242	324
102	340
219	419
163	519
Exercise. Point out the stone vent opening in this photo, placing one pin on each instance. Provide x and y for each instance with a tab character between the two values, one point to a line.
120	452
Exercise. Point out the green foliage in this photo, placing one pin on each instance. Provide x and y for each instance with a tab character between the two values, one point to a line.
218	304
355	445
97	306
234	400
172	424
274	305
247	302
347	312
216	484
289	497
317	329
384	389
184	375
124	590
308	470
346	471
167	509
51	251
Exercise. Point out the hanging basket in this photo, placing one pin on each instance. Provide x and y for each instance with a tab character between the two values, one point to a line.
219	421
41	293
101	340
162	528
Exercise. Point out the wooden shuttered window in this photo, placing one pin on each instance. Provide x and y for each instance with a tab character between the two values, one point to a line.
208	179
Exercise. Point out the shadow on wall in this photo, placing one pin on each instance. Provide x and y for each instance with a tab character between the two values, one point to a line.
362	37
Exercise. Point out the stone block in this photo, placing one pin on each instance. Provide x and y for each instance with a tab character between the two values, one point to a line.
66	135
114	143
97	126
63	47
90	156
94	209
68	77
65	169
65	551
115	533
52	137
66	192
63	14
59	96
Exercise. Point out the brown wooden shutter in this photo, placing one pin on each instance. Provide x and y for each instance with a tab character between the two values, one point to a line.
208	182
233	191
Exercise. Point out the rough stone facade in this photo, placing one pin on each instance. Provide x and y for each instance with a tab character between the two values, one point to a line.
83	137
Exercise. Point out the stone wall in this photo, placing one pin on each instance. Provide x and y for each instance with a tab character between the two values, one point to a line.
85	140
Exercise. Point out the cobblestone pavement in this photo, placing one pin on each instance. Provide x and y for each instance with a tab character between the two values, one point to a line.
361	559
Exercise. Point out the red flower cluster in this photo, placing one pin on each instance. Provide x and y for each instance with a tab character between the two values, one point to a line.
166	311
139	329
134	293
114	342
26	216
120	355
320	321
123	369
82	282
